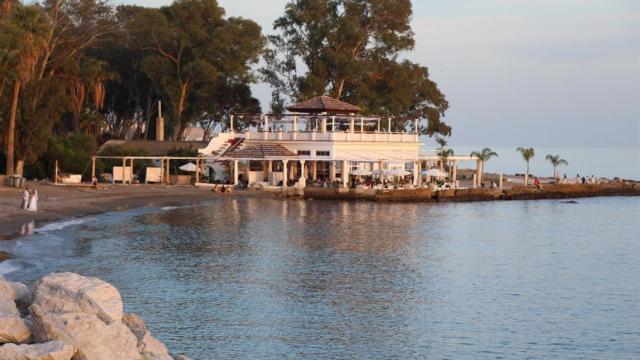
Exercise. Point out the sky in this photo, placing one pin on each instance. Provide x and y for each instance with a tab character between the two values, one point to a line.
518	73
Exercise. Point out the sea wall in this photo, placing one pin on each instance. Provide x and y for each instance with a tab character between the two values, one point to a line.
549	191
67	316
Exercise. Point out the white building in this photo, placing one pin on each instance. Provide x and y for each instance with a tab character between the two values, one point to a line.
323	139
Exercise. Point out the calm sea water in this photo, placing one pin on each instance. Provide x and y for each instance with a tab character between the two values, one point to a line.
267	278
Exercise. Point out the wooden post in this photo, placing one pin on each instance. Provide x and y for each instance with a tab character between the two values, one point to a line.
197	170
93	168
124	166
389	129
55	181
131	172
284	173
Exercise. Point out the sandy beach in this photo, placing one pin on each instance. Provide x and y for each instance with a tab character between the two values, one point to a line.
63	202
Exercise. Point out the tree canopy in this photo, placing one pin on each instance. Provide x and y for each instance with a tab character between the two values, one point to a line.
86	66
349	49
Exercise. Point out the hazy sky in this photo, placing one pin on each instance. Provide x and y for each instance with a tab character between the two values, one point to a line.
519	73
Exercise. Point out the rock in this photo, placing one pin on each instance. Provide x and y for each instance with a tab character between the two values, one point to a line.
182	357
93	338
52	350
14	329
15	291
70	292
4	256
150	348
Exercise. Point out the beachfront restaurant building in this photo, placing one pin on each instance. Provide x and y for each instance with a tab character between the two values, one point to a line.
322	140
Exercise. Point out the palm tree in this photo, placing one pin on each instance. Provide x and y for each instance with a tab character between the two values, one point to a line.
26	26
556	161
483	156
527	155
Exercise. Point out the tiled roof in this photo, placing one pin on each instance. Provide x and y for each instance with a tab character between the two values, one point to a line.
259	150
324	104
152	147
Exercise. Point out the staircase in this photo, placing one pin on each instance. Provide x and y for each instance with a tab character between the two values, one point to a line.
220	143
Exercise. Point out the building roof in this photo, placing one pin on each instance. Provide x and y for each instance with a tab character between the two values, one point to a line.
152	147
261	150
322	104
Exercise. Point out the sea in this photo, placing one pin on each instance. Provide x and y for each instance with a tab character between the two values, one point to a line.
266	278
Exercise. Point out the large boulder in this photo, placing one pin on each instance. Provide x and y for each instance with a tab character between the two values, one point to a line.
52	350
150	348
16	292
70	292
93	338
84	312
13	329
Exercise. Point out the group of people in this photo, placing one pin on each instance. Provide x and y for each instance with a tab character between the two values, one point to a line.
30	199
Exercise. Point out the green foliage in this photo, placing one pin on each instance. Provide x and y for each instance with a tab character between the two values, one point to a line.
484	155
104	166
527	153
556	160
349	49
73	153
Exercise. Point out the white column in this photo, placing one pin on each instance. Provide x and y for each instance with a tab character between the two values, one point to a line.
378	124
231	123
266	127
302	181
333	124
332	171
416	125
314	170
345	174
284	173
270	172
389	129
324	125
235	172
419	172
295	124
416	173
352	124
475	180
454	171
500	181
361	124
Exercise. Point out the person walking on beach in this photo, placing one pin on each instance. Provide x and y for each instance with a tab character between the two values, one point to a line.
33	201
25	198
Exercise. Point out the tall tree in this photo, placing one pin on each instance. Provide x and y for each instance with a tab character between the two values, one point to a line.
195	51
24	30
349	49
527	155
483	155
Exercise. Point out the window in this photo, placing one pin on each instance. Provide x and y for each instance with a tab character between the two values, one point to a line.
304	152
322	153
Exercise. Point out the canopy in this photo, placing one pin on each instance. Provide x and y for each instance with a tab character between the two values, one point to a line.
361	172
398	172
188	167
434	173
323	104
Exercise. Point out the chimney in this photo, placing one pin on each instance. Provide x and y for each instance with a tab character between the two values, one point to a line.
160	123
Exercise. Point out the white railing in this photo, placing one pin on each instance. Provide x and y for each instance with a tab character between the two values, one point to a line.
331	136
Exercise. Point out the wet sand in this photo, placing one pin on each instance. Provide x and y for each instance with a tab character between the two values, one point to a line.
58	202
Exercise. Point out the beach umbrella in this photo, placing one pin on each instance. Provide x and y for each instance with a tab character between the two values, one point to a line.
398	172
434	173
188	167
361	172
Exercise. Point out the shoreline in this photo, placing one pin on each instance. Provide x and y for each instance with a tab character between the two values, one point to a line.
65	203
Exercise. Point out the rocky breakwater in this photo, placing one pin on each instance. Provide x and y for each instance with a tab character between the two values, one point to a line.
68	316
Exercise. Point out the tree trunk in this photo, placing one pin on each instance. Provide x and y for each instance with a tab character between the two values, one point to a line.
11	130
180	109
526	176
340	87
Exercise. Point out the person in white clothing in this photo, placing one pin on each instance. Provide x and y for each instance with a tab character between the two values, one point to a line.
33	201
25	198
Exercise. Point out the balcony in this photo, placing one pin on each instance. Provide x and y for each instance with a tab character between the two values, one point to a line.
331	136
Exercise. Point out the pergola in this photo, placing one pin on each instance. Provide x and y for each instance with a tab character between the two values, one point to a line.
165	162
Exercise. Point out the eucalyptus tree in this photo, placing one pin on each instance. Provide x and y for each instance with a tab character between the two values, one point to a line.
556	161
527	155
349	49
483	155
194	54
